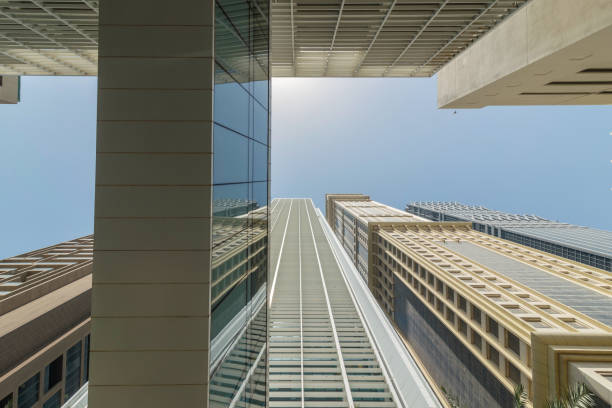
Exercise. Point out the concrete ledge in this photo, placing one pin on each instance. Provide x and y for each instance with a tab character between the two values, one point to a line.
550	52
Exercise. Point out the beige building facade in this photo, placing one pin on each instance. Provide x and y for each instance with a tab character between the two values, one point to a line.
45	305
484	314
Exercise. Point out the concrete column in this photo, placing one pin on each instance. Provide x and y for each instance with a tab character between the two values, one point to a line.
151	277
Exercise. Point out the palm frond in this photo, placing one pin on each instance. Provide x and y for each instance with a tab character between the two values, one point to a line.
579	396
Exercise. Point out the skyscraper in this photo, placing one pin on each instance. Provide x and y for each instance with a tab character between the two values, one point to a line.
183	122
329	342
582	244
485	315
45	306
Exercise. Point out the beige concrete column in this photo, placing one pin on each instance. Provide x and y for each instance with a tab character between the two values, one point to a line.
151	292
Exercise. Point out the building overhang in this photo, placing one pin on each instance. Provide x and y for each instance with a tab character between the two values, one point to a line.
550	52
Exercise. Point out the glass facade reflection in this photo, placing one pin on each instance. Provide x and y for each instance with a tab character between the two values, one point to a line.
240	198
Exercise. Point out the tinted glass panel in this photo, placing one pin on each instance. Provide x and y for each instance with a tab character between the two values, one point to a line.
73	369
231	157
28	392
240	199
55	401
232	107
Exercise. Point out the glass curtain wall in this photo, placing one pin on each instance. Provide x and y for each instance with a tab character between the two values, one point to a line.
240	204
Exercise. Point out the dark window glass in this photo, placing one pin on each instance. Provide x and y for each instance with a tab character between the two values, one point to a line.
53	373
7	402
73	370
450	316
27	394
513	373
462	327
439	286
462	303
476	340
86	360
430	278
476	315
493	355
439	306
492	327
513	343
55	401
450	294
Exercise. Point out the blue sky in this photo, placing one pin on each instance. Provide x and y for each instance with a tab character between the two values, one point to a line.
382	137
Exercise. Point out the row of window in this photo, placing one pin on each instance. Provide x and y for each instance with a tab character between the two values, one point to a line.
434	291
29	393
597	261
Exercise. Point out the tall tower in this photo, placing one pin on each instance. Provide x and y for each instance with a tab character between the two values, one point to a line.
180	257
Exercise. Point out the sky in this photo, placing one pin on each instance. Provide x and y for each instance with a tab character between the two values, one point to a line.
381	137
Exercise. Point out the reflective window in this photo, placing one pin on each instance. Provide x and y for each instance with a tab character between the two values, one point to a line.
55	401
27	395
240	204
73	369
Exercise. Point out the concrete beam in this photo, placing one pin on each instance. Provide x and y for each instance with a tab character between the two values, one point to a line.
9	89
549	52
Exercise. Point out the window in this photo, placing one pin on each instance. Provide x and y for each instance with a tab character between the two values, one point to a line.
462	327
439	306
7	402
53	374
430	297
476	315
513	343
73	369
492	327
86	360
476	340
450	294
493	355
430	278
27	395
462	303
450	316
439	286
55	401
513	373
